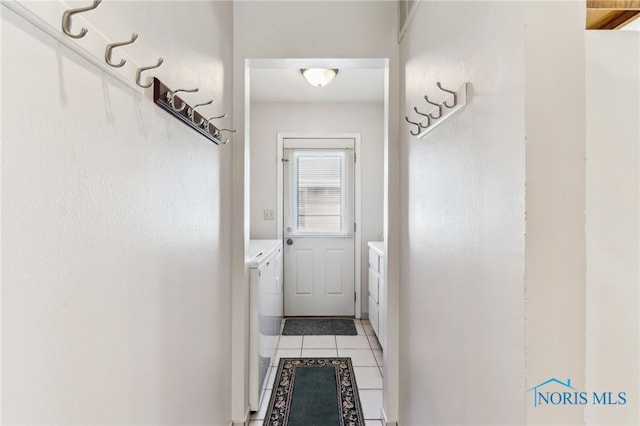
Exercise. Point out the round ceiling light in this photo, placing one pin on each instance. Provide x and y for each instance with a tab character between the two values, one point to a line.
319	77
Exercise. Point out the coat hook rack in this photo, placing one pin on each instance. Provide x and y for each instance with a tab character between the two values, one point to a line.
167	99
428	121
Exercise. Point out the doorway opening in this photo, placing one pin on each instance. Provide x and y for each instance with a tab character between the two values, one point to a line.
306	125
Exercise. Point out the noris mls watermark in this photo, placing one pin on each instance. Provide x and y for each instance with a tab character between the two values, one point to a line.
557	392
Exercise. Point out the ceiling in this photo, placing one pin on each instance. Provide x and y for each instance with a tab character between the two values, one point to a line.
351	85
611	14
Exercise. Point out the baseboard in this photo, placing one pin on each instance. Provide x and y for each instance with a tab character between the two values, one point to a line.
244	422
386	421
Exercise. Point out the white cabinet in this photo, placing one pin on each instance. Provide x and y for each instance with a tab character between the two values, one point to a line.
377	289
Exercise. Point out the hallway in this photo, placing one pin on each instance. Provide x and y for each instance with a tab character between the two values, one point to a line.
511	231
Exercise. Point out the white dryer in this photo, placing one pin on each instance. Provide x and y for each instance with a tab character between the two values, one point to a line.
265	313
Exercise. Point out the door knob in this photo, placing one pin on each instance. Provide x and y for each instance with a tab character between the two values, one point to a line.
289	241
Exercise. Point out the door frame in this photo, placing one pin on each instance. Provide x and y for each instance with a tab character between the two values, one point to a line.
357	277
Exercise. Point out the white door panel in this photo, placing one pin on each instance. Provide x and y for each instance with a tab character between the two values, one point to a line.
318	230
333	266
302	261
323	275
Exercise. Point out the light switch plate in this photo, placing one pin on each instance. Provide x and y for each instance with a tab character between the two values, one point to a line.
268	214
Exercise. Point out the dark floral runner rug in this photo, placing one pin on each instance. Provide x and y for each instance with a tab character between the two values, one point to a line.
314	392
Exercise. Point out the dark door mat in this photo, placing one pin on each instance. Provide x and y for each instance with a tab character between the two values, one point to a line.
319	327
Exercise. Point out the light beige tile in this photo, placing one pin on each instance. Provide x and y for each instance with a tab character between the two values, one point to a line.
319	353
371	423
368	330
271	377
368	377
259	415
352	342
359	328
285	353
319	342
371	403
359	357
290	342
373	341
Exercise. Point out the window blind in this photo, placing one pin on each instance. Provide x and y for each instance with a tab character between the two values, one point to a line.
320	193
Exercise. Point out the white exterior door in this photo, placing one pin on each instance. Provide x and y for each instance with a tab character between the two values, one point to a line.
318	229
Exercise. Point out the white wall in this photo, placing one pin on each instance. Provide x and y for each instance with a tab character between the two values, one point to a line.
501	313
267	119
363	29
462	296
115	235
612	222
555	220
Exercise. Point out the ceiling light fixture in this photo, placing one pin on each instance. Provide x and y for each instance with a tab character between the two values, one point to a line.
319	77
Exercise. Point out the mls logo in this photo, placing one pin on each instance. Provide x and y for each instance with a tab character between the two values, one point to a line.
557	392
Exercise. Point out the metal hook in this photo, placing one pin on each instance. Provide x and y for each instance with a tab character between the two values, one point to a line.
455	95
191	113
110	47
428	117
415	124
208	121
66	19
141	69
217	117
219	133
171	98
426	98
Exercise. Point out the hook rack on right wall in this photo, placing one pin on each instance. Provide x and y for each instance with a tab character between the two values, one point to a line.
440	112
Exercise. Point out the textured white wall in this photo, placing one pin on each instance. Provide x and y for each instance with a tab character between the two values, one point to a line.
555	185
613	222
115	237
462	295
267	119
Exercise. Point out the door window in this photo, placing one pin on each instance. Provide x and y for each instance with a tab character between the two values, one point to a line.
319	191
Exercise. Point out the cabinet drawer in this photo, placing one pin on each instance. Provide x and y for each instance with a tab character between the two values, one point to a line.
374	285
374	315
374	261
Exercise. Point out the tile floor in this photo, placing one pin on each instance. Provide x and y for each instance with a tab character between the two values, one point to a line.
366	357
